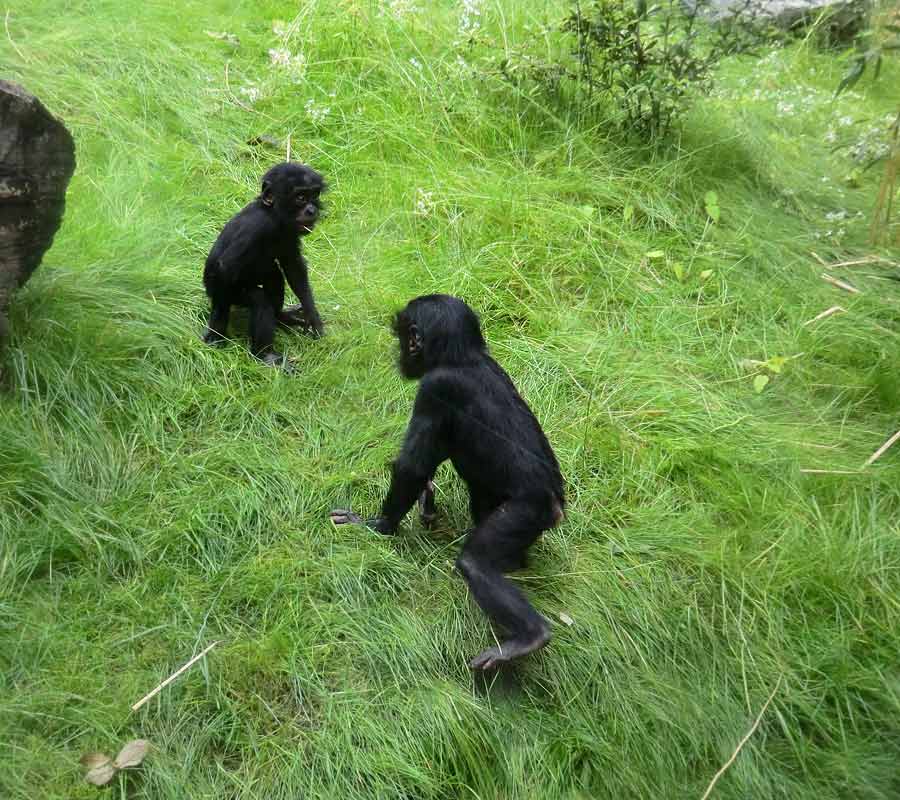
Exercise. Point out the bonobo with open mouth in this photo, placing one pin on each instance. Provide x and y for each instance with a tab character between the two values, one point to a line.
257	251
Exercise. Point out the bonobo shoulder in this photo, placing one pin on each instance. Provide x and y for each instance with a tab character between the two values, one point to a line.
447	385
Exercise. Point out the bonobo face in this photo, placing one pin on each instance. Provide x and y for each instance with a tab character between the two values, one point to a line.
293	191
412	346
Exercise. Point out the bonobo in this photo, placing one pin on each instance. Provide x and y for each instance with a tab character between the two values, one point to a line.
257	250
468	410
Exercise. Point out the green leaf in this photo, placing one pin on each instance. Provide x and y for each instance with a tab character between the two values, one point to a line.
678	269
628	213
852	75
711	204
760	382
707	273
588	211
655	254
776	364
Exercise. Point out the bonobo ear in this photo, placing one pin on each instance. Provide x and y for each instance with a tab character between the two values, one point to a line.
266	195
414	342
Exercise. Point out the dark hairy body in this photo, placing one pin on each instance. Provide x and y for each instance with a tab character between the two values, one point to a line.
468	411
256	252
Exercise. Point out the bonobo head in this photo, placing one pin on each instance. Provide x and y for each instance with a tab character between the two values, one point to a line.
292	192
437	330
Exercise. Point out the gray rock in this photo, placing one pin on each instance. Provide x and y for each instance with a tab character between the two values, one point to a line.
37	159
789	14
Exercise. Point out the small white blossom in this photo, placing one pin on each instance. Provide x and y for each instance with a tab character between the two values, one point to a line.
845	121
785	109
316	112
416	63
280	56
280	28
398	9
835	216
424	203
831	136
252	93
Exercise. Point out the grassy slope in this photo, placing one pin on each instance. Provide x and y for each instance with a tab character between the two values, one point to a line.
156	496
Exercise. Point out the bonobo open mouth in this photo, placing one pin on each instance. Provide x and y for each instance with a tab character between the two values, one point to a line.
306	224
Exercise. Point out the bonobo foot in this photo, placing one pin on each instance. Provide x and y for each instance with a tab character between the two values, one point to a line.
213	338
278	360
344	516
512	648
295	317
427	510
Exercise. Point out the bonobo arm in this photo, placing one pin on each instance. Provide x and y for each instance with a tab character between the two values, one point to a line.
423	451
420	456
293	265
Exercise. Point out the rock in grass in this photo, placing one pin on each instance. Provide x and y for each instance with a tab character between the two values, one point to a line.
37	159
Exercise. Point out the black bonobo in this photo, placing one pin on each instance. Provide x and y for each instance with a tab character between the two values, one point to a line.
467	410
258	249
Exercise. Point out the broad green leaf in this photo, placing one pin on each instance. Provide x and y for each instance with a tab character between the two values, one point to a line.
654	254
776	364
760	382
678	269
707	273
628	213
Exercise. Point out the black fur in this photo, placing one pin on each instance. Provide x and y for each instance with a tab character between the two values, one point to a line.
467	410
257	250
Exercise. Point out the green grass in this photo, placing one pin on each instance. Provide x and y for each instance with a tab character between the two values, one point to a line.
156	495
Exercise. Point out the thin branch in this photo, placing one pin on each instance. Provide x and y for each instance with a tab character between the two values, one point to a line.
743	741
826	313
840	284
881	450
171	678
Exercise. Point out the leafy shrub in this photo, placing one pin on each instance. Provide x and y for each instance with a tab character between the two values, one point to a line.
646	61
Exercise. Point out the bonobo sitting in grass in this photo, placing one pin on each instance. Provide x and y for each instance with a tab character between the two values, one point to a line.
468	411
257	250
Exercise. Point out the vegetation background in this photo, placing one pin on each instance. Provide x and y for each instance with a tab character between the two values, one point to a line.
157	496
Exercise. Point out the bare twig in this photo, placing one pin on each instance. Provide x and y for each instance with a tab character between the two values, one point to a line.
881	450
839	283
827	313
831	471
287	155
818	258
742	742
171	678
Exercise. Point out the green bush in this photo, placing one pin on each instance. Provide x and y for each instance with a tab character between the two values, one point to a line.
646	62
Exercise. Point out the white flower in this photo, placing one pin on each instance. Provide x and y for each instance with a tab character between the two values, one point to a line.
469	24
252	93
835	216
280	57
831	136
280	28
424	203
316	113
845	121
416	63
398	9
785	109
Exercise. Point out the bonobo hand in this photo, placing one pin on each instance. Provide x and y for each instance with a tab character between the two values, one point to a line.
344	516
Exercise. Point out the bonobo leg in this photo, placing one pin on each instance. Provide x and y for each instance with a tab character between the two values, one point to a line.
497	544
262	329
217	327
427	509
